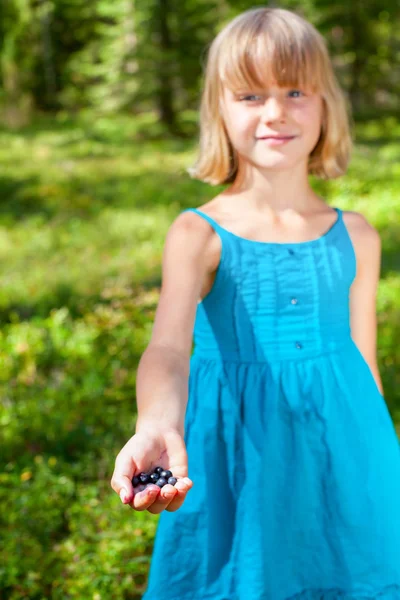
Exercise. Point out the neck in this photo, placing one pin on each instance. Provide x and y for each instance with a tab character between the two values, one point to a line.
280	189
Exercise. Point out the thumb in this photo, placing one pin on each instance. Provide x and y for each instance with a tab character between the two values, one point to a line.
124	495
121	481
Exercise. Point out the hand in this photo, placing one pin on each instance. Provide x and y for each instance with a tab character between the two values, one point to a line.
147	449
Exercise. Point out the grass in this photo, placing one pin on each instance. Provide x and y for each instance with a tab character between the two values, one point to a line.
85	206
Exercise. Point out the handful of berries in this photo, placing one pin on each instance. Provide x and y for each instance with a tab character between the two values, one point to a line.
159	476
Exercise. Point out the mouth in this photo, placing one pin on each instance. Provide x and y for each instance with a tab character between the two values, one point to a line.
275	141
277	137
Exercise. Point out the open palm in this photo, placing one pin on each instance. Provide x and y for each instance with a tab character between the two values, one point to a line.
146	450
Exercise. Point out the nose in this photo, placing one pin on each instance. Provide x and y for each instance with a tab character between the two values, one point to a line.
273	109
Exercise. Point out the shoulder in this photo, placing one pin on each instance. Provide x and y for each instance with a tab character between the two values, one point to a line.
190	225
189	220
366	242
363	234
189	232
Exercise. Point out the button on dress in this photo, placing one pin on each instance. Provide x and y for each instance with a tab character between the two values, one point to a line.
292	451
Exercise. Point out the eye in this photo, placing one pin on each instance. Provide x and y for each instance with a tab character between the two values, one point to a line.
296	92
247	98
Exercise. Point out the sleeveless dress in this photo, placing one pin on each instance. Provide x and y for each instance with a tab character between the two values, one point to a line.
292	451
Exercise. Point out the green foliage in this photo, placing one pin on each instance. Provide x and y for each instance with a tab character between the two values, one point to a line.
123	55
65	536
86	204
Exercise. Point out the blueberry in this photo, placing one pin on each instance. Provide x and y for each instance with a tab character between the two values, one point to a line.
172	480
166	474
135	481
144	478
158	470
161	482
154	477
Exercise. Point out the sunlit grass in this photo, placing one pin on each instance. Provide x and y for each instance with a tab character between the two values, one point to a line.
88	202
85	207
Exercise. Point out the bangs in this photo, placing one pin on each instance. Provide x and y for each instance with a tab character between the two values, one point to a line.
264	52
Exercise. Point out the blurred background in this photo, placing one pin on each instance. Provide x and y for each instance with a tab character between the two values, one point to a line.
98	122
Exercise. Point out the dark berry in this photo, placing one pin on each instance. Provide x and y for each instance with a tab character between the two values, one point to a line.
158	470
172	480
166	474
154	477
144	477
135	481
161	482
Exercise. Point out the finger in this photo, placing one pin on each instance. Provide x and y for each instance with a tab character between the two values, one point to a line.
142	500
124	489
166	495
121	481
182	486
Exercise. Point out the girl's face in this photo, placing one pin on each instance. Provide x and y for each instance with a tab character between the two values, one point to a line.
252	115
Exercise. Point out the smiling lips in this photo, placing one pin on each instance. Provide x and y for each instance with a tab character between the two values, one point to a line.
274	140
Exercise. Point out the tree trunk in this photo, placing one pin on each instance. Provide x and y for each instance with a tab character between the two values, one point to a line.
165	91
357	25
47	51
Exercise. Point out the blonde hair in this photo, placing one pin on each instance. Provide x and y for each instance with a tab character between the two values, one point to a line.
261	44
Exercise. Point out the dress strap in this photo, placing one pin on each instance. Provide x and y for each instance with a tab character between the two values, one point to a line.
213	223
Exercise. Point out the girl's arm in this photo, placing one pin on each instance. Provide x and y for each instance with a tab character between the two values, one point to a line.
363	319
163	371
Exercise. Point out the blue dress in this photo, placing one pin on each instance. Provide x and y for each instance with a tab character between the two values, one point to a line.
292	450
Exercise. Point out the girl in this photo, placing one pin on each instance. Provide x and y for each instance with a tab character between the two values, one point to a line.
293	456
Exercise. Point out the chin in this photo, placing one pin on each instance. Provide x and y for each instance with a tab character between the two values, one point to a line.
278	165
